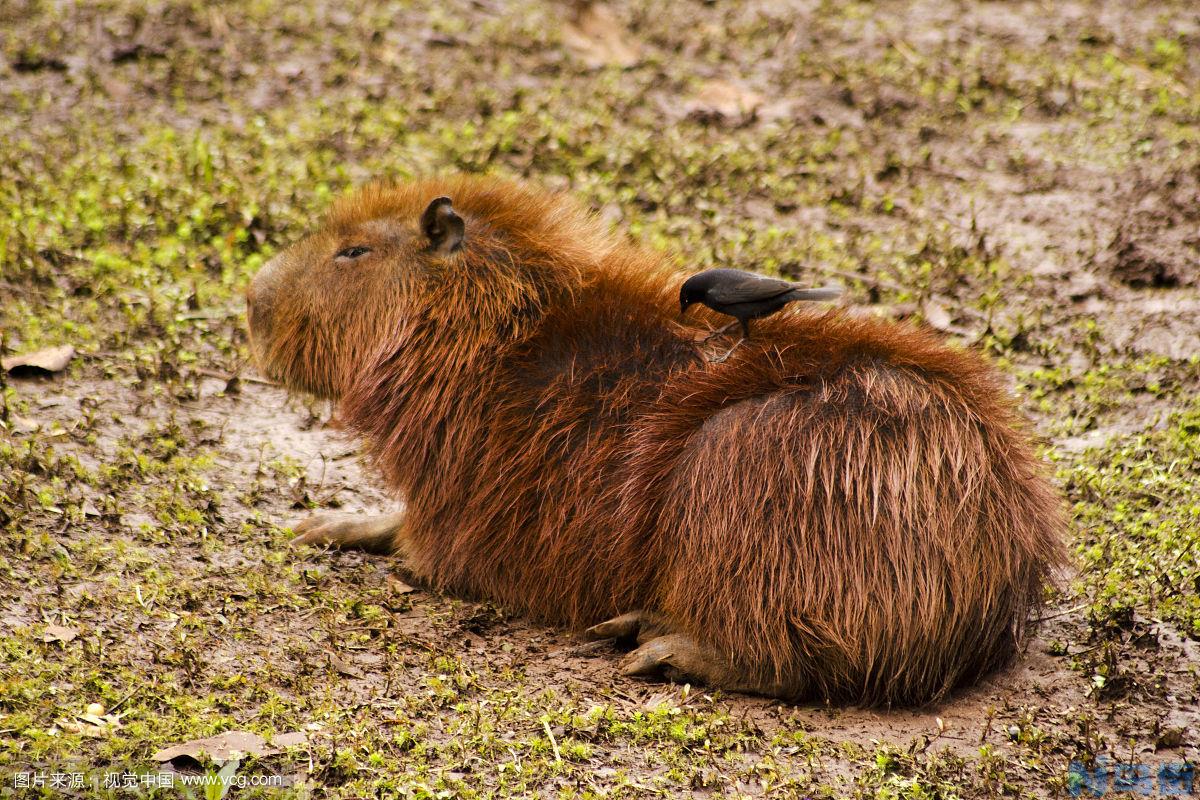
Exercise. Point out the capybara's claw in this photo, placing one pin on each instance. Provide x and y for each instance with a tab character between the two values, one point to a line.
635	626
348	531
677	657
308	530
302	539
623	627
649	660
320	529
313	538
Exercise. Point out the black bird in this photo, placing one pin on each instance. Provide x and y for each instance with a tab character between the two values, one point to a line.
744	296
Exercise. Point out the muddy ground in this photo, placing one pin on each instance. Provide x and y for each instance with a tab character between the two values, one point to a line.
1024	177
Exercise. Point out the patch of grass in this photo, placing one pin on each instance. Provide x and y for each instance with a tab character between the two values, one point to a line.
1138	517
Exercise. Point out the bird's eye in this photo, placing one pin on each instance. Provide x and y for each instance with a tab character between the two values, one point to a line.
353	252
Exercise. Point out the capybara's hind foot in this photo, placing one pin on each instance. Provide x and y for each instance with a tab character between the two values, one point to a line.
678	658
636	626
351	532
662	652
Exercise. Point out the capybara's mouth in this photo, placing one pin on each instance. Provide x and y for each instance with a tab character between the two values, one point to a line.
260	302
259	348
257	341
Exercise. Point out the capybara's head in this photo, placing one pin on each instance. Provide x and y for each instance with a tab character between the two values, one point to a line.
459	257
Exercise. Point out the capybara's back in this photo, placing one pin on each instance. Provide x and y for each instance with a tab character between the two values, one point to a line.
844	509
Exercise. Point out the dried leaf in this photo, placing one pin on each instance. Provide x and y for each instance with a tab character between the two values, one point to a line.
87	728
397	586
937	316
59	633
91	724
659	699
39	362
343	667
1170	738
724	100
221	748
597	38
1082	285
24	424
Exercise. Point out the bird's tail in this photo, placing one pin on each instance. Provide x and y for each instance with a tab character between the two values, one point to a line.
813	295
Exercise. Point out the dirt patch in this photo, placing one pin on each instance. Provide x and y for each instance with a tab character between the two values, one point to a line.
1158	244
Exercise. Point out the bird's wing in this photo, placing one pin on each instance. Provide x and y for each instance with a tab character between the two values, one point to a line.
750	289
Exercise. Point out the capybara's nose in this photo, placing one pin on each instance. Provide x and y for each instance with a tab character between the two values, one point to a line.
258	318
256	306
260	299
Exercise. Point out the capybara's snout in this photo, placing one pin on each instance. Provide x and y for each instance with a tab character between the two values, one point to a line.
260	304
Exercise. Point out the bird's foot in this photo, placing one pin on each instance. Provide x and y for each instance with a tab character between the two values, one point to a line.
719	331
721	359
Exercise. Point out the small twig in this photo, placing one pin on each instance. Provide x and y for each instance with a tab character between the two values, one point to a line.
553	743
1185	551
941	173
580	649
903	49
123	701
212	373
1065	611
882	284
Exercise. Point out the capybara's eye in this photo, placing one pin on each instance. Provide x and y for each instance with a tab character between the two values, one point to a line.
353	252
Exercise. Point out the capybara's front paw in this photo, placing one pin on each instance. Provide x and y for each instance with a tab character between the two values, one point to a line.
349	531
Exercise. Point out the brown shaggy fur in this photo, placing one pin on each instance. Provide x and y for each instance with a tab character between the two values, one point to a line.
846	509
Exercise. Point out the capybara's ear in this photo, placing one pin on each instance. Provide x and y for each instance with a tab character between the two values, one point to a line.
443	226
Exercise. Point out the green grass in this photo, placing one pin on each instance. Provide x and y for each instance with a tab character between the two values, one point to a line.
1138	517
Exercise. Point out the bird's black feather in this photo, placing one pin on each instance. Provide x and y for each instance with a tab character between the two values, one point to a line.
749	288
744	295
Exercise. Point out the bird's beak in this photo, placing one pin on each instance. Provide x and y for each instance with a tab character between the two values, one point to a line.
683	307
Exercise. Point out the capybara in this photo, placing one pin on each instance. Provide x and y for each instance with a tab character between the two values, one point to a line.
846	509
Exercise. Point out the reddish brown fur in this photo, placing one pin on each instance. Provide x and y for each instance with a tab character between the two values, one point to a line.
846	508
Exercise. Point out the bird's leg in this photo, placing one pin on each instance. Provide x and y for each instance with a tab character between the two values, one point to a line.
721	359
745	335
719	331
